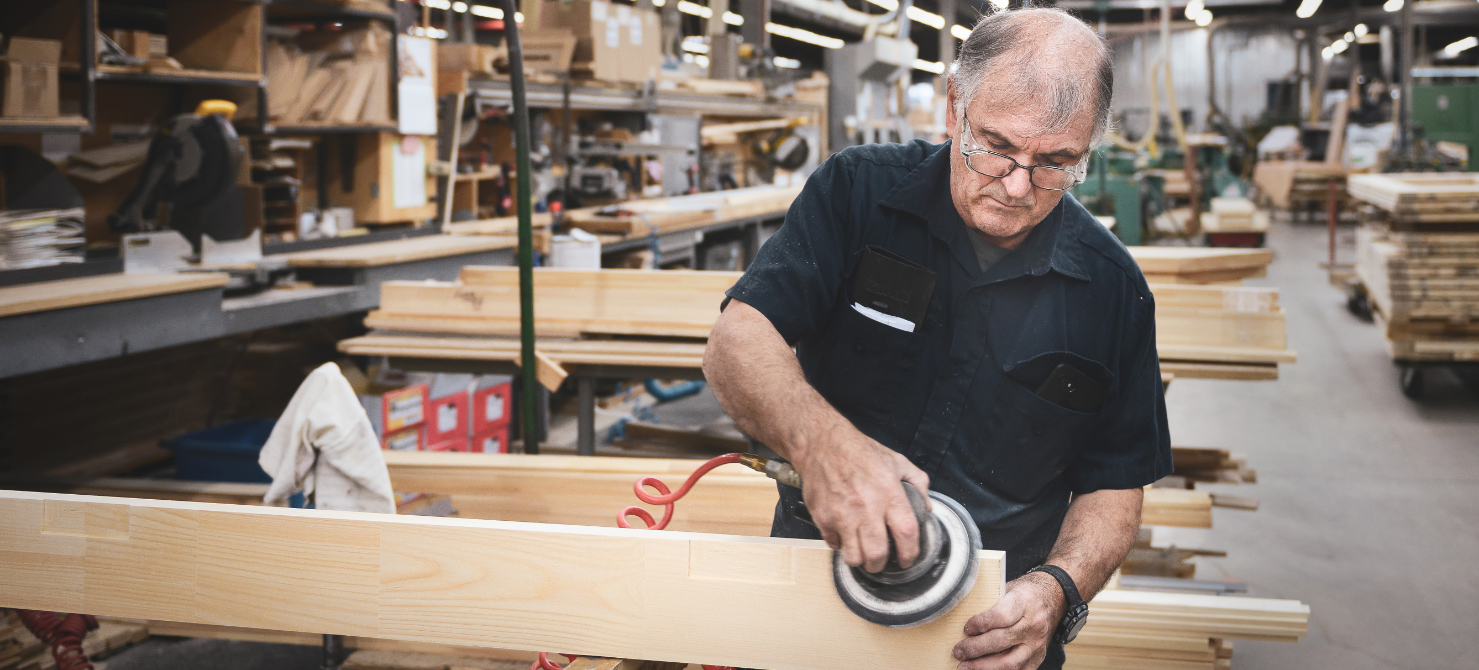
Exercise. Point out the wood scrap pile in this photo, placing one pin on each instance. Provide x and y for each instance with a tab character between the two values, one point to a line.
1209	466
329	79
1417	256
1293	184
1149	560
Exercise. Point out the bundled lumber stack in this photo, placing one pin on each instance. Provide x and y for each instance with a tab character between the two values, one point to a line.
329	79
1234	215
1289	185
1211	466
1417	256
1220	332
639	218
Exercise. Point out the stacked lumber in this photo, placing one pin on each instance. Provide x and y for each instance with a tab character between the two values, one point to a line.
317	81
659	216
1422	201
1200	265
569	302
1220	332
1148	560
1291	184
1418	265
1234	215
1210	466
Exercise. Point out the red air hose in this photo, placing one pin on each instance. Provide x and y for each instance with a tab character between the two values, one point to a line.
666	498
64	632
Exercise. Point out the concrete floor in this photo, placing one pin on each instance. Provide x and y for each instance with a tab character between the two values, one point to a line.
1370	501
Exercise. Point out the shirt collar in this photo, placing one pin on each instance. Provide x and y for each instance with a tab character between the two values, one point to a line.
1052	245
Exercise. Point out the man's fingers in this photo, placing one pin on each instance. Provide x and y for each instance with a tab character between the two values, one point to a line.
873	536
991	642
915	477
1016	658
905	530
1005	614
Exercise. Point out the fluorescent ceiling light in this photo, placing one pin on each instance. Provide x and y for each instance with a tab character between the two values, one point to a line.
960	32
487	12
439	4
734	19
806	36
1194	9
695	9
932	20
702	61
1393	6
1205	18
459	6
1307	8
1327	53
929	66
1000	4
659	3
787	63
1349	36
1361	30
1461	46
1339	46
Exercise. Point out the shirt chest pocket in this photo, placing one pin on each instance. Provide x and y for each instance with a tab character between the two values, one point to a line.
1023	442
866	364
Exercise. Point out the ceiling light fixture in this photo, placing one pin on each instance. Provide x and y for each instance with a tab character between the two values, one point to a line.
960	32
1307	8
806	36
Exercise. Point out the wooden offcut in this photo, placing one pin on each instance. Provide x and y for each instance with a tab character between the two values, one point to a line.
590	591
391	252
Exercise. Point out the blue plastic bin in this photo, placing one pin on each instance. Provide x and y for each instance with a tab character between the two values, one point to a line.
224	453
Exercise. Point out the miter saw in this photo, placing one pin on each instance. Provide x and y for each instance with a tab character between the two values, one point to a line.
189	180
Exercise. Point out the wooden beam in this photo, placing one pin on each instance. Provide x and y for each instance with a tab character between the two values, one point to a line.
667	595
64	293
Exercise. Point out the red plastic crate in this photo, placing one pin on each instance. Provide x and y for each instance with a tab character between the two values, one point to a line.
405	439
456	444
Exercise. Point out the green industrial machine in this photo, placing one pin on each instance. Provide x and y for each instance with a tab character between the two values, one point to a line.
1447	112
1112	190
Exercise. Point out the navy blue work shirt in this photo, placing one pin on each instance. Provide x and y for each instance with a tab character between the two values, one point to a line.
956	396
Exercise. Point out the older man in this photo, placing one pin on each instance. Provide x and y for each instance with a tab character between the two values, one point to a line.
959	322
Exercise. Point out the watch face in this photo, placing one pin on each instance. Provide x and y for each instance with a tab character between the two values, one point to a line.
1073	622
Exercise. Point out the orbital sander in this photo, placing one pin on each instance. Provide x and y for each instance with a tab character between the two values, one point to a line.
940	576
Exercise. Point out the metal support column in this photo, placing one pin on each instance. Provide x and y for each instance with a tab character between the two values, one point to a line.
524	206
757	14
585	434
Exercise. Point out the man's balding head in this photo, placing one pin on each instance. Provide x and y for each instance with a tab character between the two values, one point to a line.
1043	62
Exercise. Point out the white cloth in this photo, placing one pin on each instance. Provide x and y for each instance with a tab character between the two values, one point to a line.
323	445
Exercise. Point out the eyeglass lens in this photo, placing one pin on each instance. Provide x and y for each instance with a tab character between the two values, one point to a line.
993	165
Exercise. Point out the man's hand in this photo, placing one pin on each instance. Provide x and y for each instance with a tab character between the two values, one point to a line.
852	490
1014	634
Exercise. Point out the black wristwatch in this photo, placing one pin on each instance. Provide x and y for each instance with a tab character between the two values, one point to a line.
1078	610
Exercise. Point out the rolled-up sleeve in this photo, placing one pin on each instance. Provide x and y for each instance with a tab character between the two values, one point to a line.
795	277
1132	447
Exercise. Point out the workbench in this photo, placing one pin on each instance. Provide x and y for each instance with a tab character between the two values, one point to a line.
47	325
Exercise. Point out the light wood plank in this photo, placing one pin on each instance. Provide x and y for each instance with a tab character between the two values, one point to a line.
64	293
590	591
395	251
1182	260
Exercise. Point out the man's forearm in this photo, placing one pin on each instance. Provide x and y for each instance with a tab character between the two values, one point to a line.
1097	534
759	383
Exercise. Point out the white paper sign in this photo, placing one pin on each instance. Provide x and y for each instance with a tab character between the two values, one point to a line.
598	10
409	172
416	91
637	31
613	32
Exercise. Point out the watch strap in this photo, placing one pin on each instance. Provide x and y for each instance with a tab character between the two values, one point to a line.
1071	597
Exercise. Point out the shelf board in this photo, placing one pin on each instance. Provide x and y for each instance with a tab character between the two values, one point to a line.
306	10
550	96
325	128
128	74
62	124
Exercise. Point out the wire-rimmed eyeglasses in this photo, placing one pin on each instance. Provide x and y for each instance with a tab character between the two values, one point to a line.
986	162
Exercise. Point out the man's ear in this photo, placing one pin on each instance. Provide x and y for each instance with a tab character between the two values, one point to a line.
952	124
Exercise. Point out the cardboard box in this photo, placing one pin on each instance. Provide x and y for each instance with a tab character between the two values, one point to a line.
31	88
468	57
491	441
492	402
620	42
405	439
394	410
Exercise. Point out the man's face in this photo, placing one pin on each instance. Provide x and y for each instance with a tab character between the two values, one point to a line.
1005	209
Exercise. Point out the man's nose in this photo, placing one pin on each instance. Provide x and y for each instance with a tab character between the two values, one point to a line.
1018	183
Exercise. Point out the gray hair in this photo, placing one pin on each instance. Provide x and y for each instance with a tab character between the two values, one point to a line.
1007	47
